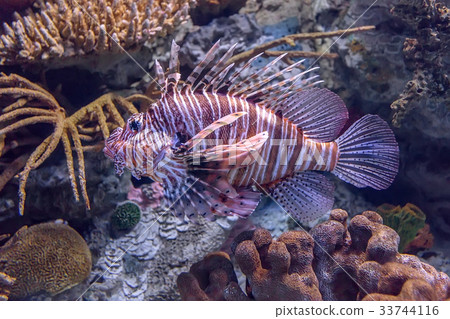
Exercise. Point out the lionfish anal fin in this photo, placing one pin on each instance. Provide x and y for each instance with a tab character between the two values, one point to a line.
306	195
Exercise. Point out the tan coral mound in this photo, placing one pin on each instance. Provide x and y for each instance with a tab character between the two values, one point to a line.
62	28
281	267
333	262
48	257
362	259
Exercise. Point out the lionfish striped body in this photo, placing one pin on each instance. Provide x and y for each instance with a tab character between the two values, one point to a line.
212	138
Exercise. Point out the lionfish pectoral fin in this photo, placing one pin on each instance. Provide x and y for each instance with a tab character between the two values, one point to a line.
320	113
244	204
226	157
211	196
368	154
200	136
305	195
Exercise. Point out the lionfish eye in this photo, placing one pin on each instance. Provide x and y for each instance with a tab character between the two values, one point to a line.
180	139
135	125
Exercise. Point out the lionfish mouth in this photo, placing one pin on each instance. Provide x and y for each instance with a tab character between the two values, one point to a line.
110	142
108	152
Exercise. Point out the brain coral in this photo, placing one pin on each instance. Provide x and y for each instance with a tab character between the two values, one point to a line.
48	257
335	261
126	216
62	28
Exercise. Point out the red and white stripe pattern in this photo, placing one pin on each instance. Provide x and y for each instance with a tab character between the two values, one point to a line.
286	151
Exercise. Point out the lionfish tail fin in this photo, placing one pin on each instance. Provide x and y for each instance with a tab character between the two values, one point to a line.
368	154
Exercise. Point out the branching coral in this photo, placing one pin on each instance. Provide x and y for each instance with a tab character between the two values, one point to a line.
290	40
27	104
6	283
333	262
63	28
32	252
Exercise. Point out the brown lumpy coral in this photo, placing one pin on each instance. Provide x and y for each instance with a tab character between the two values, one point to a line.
62	29
335	261
48	257
278	270
208	278
362	259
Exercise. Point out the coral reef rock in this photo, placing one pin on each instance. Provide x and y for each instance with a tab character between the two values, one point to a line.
207	10
144	263
33	251
334	261
63	29
7	7
426	96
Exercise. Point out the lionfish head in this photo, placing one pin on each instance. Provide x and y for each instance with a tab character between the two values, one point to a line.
138	147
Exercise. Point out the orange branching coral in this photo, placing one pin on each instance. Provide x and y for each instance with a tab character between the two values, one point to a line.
27	104
49	257
6	283
63	28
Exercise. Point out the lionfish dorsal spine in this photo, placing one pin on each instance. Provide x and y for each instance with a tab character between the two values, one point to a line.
195	74
160	77
286	96
254	89
216	69
268	94
273	101
239	88
218	79
174	66
238	72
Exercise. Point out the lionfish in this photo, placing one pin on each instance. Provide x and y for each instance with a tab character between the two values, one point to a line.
216	143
